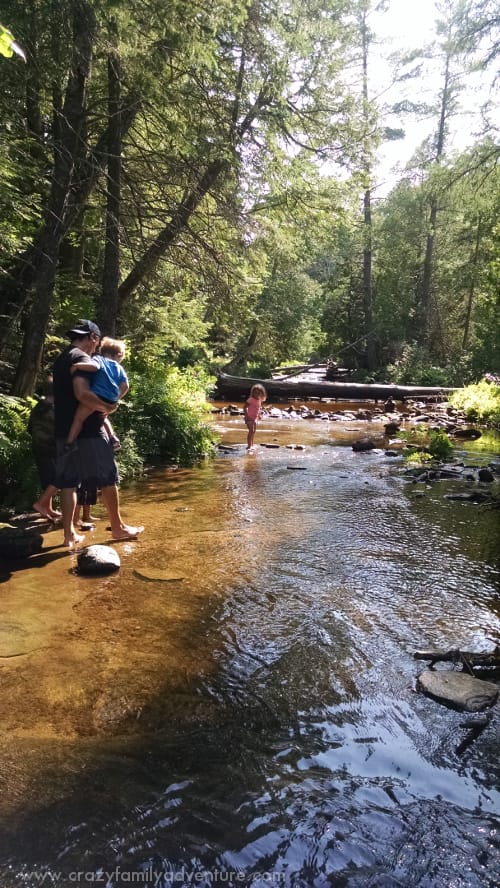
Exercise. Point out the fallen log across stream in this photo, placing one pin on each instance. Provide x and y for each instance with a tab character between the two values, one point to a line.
239	386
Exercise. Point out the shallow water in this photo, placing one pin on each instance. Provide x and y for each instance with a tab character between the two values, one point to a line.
237	705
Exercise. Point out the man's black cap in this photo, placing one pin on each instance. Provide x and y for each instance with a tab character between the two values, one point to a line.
84	328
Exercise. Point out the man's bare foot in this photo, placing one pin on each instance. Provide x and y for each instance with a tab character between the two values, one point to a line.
45	512
74	541
127	532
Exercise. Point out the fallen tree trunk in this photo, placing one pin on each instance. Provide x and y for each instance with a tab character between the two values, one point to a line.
486	659
239	387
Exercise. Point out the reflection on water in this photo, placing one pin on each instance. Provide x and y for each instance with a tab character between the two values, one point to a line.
237	704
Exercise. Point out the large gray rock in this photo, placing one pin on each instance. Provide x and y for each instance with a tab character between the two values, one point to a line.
98	560
458	689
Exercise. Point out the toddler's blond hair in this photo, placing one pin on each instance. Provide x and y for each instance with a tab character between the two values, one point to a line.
112	348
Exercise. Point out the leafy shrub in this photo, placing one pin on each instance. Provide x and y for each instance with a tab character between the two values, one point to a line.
425	444
18	476
130	462
418	456
440	446
165	413
480	402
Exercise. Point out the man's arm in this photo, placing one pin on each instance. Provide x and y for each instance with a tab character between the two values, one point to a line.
88	398
87	367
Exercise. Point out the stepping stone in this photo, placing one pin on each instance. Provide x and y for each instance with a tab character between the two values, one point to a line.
152	574
98	560
458	689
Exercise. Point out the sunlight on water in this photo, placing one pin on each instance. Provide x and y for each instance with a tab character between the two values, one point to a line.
240	697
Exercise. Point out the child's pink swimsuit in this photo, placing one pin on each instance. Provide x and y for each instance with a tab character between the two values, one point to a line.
253	409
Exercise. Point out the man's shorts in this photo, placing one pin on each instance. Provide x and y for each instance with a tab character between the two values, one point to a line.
46	466
91	464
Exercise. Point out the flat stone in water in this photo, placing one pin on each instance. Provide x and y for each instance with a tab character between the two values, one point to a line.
152	574
13	640
458	689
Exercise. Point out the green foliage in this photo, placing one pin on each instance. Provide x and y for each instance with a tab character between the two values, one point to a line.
130	462
480	402
18	476
417	456
269	266
415	367
425	444
165	413
440	446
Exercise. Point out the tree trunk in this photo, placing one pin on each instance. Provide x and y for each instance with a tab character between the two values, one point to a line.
239	362
424	303
17	289
234	386
367	283
472	285
49	240
423	315
180	218
107	304
367	212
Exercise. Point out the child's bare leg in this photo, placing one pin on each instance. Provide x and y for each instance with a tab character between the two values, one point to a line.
113	439
251	435
82	413
87	518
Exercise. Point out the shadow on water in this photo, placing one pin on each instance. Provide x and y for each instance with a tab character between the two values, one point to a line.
238	704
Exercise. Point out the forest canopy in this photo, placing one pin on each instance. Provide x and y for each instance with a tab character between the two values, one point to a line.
202	180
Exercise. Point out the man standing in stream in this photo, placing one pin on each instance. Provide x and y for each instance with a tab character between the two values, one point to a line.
90	461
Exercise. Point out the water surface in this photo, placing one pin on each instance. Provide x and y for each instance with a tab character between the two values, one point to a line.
238	704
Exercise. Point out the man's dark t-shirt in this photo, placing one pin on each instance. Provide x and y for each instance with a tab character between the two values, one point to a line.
65	403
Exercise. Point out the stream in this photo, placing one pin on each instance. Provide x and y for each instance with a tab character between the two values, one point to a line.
237	704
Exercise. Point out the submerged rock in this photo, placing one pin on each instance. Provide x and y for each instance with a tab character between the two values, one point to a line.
363	444
458	689
472	434
486	476
473	496
152	574
98	560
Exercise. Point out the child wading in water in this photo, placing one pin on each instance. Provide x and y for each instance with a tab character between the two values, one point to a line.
109	381
251	412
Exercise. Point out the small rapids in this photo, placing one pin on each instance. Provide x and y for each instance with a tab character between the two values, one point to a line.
250	717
